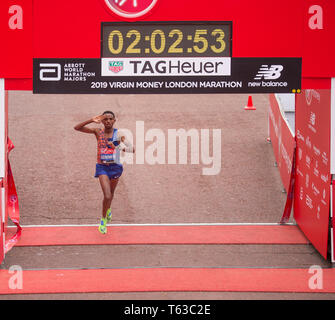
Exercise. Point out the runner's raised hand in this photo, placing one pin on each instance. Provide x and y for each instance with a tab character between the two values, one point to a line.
98	119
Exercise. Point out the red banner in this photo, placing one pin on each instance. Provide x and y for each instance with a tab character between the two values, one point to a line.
283	142
333	219
12	205
290	194
16	39
318	28
2	232
312	196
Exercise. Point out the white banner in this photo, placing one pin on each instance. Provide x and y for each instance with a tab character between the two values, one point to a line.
210	66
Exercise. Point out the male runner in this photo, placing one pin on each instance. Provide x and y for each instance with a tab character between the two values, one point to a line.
108	167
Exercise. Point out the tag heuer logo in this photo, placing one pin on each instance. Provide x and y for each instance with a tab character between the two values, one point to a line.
115	66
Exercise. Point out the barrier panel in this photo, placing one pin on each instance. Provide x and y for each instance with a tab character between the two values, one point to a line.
9	206
332	128
2	231
332	213
282	140
312	187
12	203
332	166
3	100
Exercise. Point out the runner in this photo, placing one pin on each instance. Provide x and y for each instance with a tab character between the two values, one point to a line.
108	167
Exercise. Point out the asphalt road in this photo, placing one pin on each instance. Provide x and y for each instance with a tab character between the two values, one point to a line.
53	167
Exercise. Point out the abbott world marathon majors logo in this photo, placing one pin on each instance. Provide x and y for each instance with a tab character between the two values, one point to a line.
71	72
267	73
130	8
50	72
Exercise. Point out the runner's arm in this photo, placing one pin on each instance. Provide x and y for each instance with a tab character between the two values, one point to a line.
82	126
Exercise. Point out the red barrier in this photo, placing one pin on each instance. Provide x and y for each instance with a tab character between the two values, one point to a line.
290	193
9	205
2	233
283	143
3	116
333	222
312	196
12	204
282	140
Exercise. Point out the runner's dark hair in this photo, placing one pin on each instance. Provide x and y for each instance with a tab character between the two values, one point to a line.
110	112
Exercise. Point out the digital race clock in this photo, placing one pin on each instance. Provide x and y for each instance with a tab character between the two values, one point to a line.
166	39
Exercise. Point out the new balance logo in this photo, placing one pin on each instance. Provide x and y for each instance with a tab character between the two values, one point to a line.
269	73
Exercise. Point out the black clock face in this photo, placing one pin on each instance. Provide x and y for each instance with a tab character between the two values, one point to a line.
167	39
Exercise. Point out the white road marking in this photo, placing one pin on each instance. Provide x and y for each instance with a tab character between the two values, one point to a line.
157	224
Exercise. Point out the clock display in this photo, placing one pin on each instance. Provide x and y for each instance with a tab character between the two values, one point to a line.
166	39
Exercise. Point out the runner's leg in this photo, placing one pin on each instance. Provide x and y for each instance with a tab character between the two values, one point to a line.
113	184
106	189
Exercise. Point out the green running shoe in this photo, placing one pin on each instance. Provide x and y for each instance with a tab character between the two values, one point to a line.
102	226
109	215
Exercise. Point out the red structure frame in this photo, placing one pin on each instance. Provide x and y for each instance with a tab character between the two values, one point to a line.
71	29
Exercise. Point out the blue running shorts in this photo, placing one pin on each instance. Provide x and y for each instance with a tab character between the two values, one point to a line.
113	171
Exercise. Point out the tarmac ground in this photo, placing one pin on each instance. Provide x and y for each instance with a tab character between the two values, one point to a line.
53	167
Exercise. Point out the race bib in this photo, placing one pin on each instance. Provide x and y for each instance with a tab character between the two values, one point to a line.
108	154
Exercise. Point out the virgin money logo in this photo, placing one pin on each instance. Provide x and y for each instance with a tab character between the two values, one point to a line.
130	8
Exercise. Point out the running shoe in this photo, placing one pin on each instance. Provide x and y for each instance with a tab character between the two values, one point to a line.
109	215
102	226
